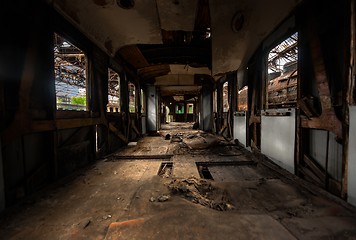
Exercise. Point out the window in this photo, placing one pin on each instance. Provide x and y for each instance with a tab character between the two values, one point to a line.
113	91
179	108
190	107
242	99
70	71
226	96
215	101
132	97
282	73
143	101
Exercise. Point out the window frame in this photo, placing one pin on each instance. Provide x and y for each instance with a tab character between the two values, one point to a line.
63	113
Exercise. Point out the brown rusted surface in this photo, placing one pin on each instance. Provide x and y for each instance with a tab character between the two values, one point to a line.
306	105
132	54
154	71
328	119
118	133
254	119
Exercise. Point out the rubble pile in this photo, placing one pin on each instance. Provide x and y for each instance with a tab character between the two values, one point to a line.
202	192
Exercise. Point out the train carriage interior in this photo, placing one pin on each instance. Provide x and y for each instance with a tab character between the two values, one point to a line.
178	119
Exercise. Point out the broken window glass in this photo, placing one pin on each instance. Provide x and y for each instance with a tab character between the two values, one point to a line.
242	99
70	71
283	73
132	97
226	97
113	91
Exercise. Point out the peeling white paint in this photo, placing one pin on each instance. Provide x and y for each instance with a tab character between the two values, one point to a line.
113	26
230	49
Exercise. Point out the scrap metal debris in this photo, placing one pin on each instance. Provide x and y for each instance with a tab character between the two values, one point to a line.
202	192
176	138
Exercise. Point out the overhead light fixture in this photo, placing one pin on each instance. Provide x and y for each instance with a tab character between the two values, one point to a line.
237	22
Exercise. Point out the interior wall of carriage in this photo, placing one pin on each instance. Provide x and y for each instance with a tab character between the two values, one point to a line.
296	113
64	102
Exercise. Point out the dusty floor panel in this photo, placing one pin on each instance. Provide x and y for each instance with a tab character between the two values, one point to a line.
127	198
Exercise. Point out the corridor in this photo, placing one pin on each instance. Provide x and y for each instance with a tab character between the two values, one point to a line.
180	184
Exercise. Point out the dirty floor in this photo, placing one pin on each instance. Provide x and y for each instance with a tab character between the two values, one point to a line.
181	184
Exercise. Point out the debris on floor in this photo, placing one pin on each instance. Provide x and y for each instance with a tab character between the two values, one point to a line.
146	191
202	192
176	138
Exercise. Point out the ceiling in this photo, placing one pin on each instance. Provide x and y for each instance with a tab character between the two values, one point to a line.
166	40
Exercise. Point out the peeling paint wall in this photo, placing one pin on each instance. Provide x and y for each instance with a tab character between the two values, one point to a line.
230	49
112	27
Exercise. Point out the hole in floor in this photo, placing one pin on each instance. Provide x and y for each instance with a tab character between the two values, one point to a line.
166	169
204	172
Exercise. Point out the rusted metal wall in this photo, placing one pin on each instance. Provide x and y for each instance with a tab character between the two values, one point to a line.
39	143
75	149
319	151
28	84
324	47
